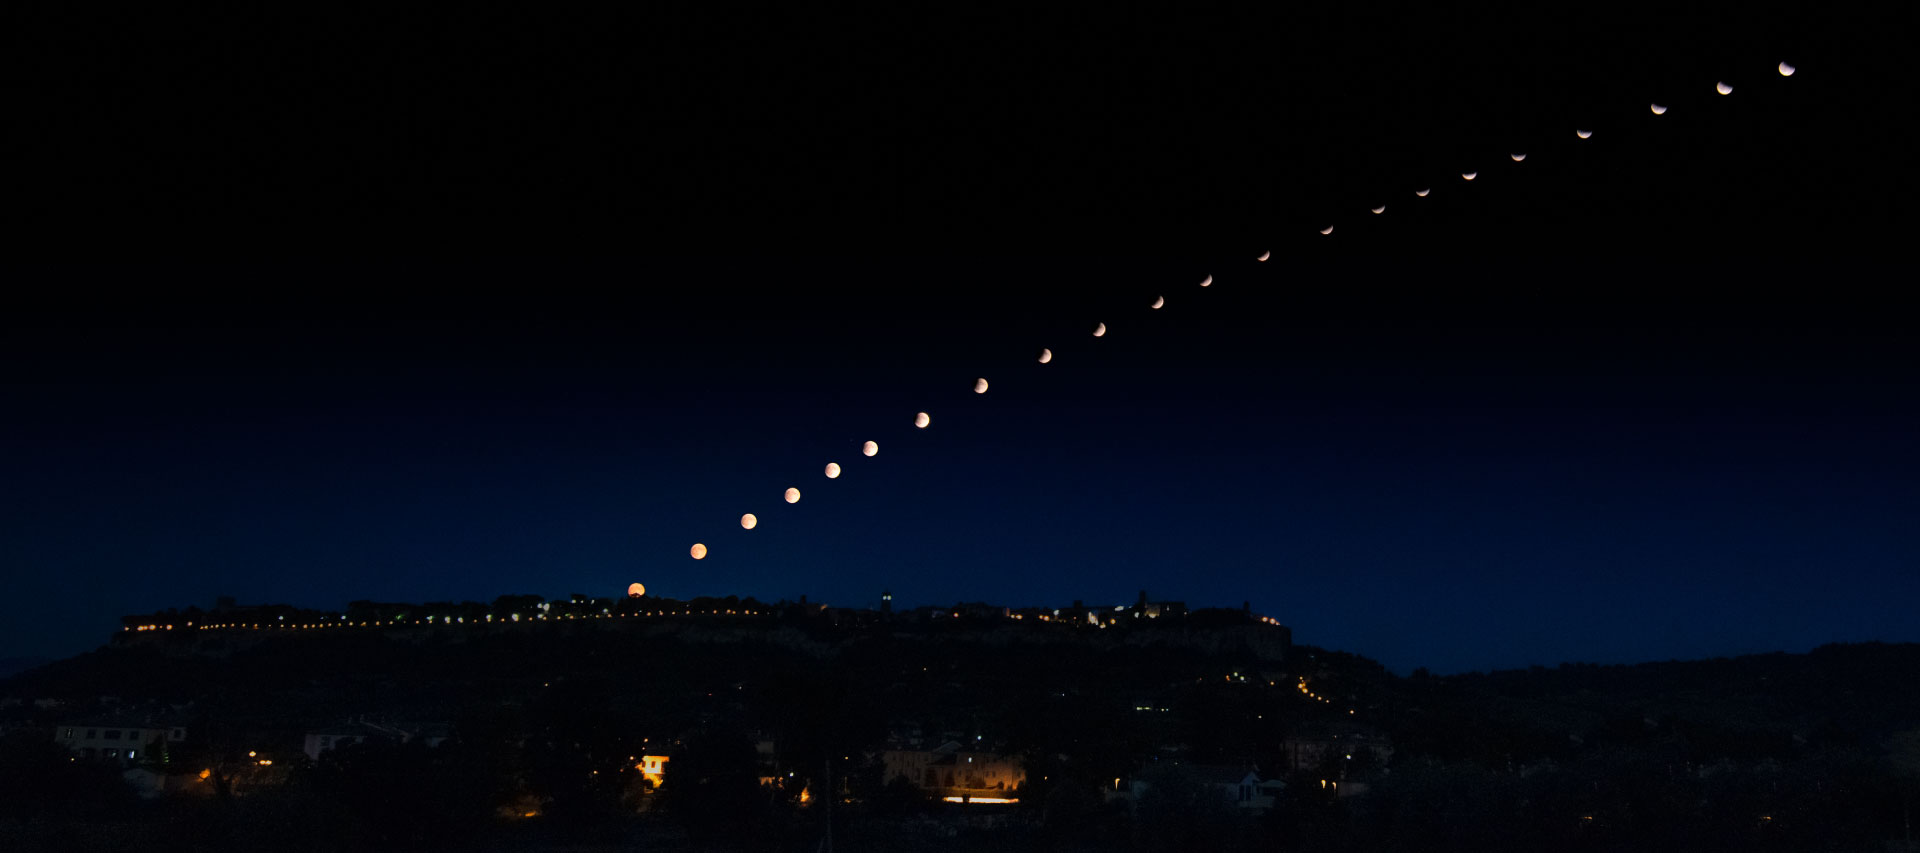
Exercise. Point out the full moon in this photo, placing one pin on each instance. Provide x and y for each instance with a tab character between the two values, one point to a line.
1583	133
1723	88
1046	355
979	386
1469	175
1659	110
698	551
1099	330
921	420
748	521
793	496
1380	209
833	470
1518	157
1786	70
1158	301
635	590
1264	256
1422	193
1206	281
1327	230
869	448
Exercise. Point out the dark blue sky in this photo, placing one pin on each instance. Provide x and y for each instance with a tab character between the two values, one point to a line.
452	306
1450	464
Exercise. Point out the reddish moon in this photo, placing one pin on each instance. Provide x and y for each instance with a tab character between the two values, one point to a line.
635	590
1469	175
869	448
1422	193
1206	281
1158	301
1380	209
1264	256
979	386
1046	355
1518	157
747	521
833	470
698	551
1327	230
793	496
1099	330
921	420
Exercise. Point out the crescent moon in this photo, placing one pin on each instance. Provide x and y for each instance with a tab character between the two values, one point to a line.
1422	193
1723	88
793	496
921	420
1264	256
1659	110
748	521
1583	134
1046	355
1205	282
1786	70
1158	301
1518	157
833	470
1380	209
979	386
1327	230
698	551
1469	175
869	448
1099	330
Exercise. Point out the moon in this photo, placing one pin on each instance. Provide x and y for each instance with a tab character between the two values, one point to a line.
869	448
1786	70
1264	256
833	470
1469	175
1206	281
635	590
921	420
1723	88
1422	193
698	551
1583	133
1659	110
793	496
979	386
1380	209
1046	355
1158	301
1327	230
1099	330
1518	157
748	521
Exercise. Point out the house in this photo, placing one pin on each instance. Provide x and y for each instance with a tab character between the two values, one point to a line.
123	738
1239	784
950	771
360	731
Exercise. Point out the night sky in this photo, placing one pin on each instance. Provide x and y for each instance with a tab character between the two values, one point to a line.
528	306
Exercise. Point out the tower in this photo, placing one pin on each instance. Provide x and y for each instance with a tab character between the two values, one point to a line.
886	601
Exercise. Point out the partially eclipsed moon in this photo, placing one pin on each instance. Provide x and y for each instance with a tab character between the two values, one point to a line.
1327	230
921	420
979	386
793	496
1422	193
1583	133
1380	209
1469	175
1518	157
1723	88
1046	355
1206	281
1158	301
698	551
1264	256
1786	70
833	470
748	521
1099	330
636	589
1659	110
869	448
